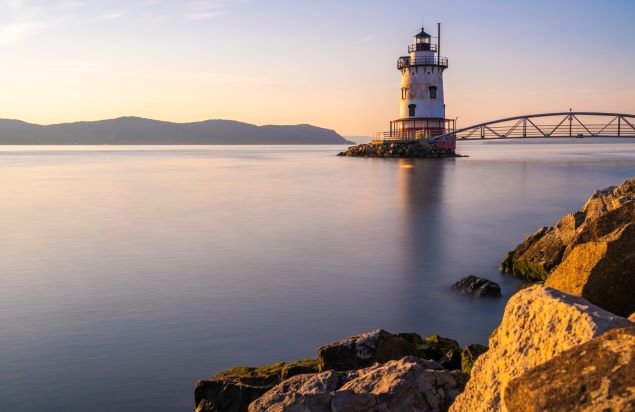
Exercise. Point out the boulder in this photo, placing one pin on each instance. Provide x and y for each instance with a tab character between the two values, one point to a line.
366	349
598	375
380	346
409	384
538	324
444	351
477	286
605	212
469	356
301	393
603	272
233	390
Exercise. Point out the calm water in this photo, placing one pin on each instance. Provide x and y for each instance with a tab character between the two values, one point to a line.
128	273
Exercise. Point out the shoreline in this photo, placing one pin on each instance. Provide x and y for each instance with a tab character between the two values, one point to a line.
608	216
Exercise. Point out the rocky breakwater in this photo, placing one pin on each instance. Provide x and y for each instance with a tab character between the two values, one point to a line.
414	149
400	371
589	253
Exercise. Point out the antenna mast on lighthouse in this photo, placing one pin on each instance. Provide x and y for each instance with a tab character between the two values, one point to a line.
439	39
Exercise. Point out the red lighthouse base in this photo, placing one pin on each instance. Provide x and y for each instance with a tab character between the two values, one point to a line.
445	144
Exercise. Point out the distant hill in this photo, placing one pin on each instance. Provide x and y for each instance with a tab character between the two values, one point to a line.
136	130
359	139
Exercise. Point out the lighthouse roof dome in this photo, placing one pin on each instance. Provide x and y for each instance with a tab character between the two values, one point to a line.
423	33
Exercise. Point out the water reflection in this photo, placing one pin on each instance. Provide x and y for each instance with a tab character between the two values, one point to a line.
139	270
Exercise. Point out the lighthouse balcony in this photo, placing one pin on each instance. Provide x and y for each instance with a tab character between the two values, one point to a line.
410	129
405	62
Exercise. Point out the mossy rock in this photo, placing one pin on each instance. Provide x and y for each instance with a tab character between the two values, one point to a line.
469	356
523	269
445	351
234	389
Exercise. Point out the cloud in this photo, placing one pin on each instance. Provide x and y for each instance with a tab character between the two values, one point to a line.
13	33
147	3
71	4
110	15
206	9
75	66
367	39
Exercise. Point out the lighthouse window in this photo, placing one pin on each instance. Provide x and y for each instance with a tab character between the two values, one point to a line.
411	110
404	93
433	92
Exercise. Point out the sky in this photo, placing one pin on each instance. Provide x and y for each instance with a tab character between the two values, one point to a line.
330	63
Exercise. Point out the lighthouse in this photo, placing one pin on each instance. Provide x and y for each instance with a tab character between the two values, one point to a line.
422	104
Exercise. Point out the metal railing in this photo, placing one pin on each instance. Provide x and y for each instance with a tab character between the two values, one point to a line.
562	124
406	135
422	61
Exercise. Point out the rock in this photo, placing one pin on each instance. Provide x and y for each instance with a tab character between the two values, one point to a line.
604	213
538	324
632	317
477	286
366	349
603	272
444	351
609	199
234	389
598	375
301	393
409	149
409	384
380	346
469	356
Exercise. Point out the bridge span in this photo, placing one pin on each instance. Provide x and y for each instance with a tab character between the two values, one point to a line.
559	124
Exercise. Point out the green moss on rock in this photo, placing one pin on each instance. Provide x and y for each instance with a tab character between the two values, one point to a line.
469	356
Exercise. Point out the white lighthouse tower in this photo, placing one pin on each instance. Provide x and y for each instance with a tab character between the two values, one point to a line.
422	108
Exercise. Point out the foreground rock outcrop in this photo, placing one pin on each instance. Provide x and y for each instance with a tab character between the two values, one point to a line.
600	376
538	324
590	253
234	389
477	286
380	346
601	271
409	384
606	213
414	149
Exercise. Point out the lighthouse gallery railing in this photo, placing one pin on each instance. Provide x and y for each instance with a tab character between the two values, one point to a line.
404	62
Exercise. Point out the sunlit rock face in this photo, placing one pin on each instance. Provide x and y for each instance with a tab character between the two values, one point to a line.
601	271
409	384
538	324
596	376
606	213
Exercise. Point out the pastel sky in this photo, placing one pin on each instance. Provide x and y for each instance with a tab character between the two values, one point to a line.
331	63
